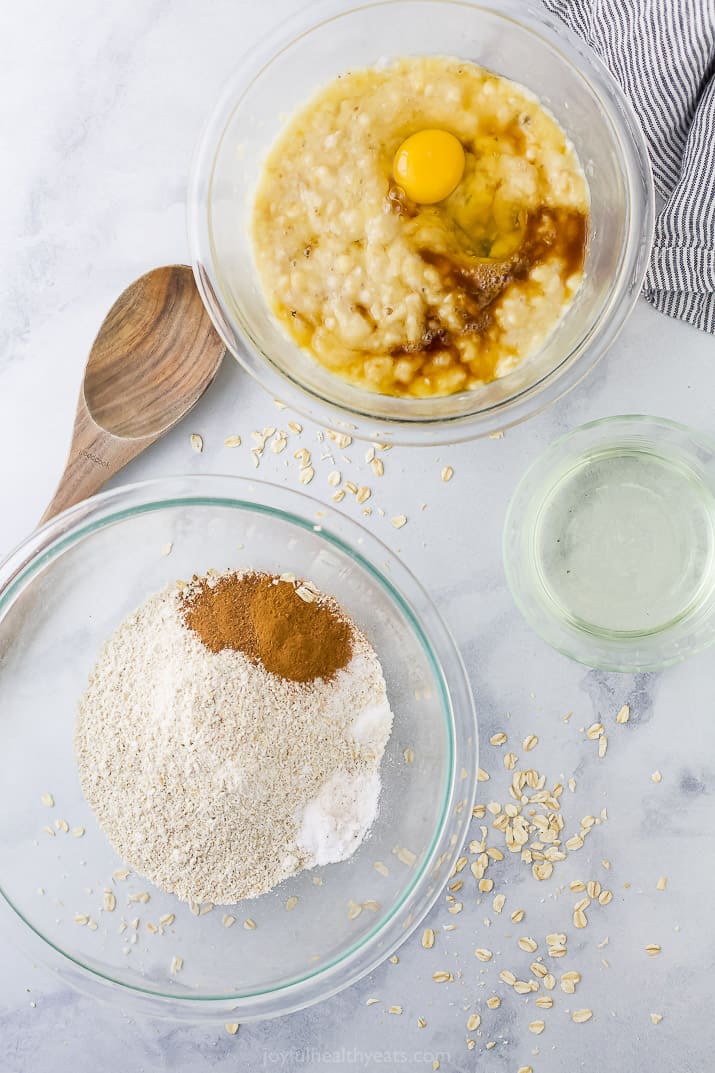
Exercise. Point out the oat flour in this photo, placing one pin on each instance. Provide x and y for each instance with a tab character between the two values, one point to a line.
215	779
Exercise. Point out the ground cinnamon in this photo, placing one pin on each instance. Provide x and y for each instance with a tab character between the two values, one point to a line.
284	625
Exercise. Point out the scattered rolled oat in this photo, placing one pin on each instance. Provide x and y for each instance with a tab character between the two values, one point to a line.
498	903
291	902
231	1027
447	473
652	950
656	1018
656	777
354	909
77	832
537	1027
177	964
232	441
196	442
580	919
399	520
442	977
525	1069
110	902
602	746
409	755
167	920
381	868
662	883
421	1023
498	739
528	944
624	714
62	825
482	954
494	1002
581	1016
517	916
428	938
530	742
48	800
249	925
395	1009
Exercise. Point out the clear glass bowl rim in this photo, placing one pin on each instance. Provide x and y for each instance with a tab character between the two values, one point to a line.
42	546
598	337
543	464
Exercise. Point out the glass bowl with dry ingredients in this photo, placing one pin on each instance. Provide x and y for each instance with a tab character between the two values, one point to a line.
238	748
424	220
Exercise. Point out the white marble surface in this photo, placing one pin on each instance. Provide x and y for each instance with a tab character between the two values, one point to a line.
100	106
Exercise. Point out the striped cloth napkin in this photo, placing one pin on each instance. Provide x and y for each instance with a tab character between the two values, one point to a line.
663	54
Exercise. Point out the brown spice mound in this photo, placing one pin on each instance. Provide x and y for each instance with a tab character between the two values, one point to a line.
266	619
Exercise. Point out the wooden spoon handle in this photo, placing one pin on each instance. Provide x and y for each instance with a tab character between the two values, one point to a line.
95	455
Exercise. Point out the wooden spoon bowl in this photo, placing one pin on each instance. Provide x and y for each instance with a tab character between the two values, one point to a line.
154	356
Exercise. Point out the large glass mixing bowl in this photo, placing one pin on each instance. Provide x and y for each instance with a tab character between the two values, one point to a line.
62	593
513	39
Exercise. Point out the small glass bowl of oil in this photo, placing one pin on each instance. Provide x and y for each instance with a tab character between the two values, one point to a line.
609	543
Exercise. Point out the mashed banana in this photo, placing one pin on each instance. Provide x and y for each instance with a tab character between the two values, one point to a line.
420	300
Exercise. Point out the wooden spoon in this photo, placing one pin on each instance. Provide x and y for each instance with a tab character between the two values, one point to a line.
154	356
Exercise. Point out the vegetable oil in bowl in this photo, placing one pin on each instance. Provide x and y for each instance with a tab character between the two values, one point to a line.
624	541
609	543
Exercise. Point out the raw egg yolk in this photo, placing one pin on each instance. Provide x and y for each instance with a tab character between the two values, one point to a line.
429	165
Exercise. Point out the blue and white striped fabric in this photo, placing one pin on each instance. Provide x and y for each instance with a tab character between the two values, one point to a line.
663	54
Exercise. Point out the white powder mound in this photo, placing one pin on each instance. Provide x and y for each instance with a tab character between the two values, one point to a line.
215	779
336	821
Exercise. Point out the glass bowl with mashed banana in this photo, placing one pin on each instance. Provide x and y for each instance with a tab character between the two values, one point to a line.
420	220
